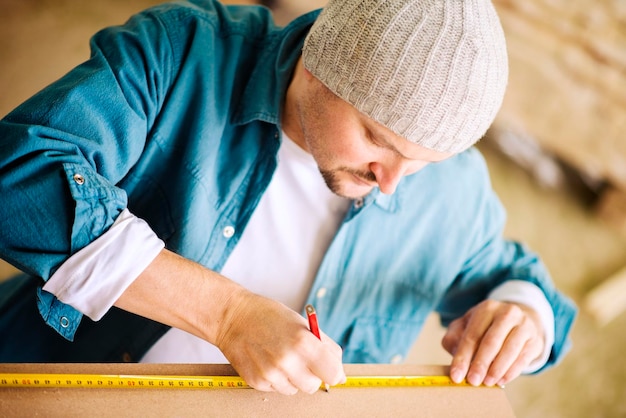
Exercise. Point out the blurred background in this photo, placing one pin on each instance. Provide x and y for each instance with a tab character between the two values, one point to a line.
557	155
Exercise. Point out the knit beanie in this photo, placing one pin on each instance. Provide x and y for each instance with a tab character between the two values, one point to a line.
432	71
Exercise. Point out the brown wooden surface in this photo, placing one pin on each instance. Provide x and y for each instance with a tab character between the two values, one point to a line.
440	402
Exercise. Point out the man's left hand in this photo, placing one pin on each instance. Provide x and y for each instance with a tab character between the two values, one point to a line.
493	342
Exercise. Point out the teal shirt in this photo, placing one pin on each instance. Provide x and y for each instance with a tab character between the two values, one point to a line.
176	115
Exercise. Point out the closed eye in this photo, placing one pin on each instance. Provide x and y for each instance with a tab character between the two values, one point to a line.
381	143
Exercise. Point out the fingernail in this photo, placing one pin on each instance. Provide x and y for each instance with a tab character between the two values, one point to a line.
456	375
473	379
489	381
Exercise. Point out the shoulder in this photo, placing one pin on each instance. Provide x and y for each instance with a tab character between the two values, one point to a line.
189	15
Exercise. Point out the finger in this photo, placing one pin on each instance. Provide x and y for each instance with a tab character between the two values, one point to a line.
531	348
508	355
517	367
274	380
311	385
326	363
504	333
284	387
331	345
311	362
476	326
334	364
304	379
267	374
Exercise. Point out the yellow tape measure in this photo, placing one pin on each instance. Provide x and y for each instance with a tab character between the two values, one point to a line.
100	381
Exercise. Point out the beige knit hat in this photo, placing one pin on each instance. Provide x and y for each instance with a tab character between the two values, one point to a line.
432	71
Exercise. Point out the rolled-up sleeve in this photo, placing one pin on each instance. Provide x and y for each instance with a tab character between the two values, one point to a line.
64	151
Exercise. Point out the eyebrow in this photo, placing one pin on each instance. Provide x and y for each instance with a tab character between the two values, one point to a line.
384	143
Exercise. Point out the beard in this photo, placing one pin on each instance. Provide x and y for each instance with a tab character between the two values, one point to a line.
334	184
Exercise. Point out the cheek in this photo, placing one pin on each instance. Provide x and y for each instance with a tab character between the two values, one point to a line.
348	146
348	154
333	136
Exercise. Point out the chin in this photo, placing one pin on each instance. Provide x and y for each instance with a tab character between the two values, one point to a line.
353	191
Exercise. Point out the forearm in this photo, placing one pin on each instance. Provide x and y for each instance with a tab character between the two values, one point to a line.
183	294
268	344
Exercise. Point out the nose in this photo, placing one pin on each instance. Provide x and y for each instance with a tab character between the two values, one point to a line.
388	176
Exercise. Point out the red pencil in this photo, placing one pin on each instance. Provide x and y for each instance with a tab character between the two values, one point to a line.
315	328
313	324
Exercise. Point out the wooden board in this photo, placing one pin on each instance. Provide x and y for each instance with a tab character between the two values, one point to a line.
439	402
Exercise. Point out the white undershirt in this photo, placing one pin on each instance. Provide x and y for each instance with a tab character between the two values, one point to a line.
296	216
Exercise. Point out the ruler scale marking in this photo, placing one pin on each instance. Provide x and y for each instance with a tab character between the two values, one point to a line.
62	380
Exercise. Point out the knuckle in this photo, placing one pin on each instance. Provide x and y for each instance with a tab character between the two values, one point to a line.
490	305
491	342
338	351
473	337
448	340
480	366
512	311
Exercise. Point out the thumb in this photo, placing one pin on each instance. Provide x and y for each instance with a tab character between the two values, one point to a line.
453	335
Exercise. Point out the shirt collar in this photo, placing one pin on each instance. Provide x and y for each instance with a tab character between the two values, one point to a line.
265	91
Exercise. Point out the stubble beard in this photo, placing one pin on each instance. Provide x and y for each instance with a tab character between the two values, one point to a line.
334	184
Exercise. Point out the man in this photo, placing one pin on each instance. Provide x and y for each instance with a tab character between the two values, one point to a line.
175	176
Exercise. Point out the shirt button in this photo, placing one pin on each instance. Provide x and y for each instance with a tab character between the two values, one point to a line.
358	203
79	179
321	293
64	322
397	359
229	231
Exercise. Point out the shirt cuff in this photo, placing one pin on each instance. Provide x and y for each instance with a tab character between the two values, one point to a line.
94	278
529	294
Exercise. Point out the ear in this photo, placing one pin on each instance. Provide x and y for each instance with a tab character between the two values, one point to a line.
307	74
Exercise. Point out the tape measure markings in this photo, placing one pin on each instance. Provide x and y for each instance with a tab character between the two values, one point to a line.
62	380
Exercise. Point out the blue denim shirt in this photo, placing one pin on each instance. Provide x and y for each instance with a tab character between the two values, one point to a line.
176	115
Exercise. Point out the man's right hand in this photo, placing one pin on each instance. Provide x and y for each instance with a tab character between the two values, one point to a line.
272	348
269	345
